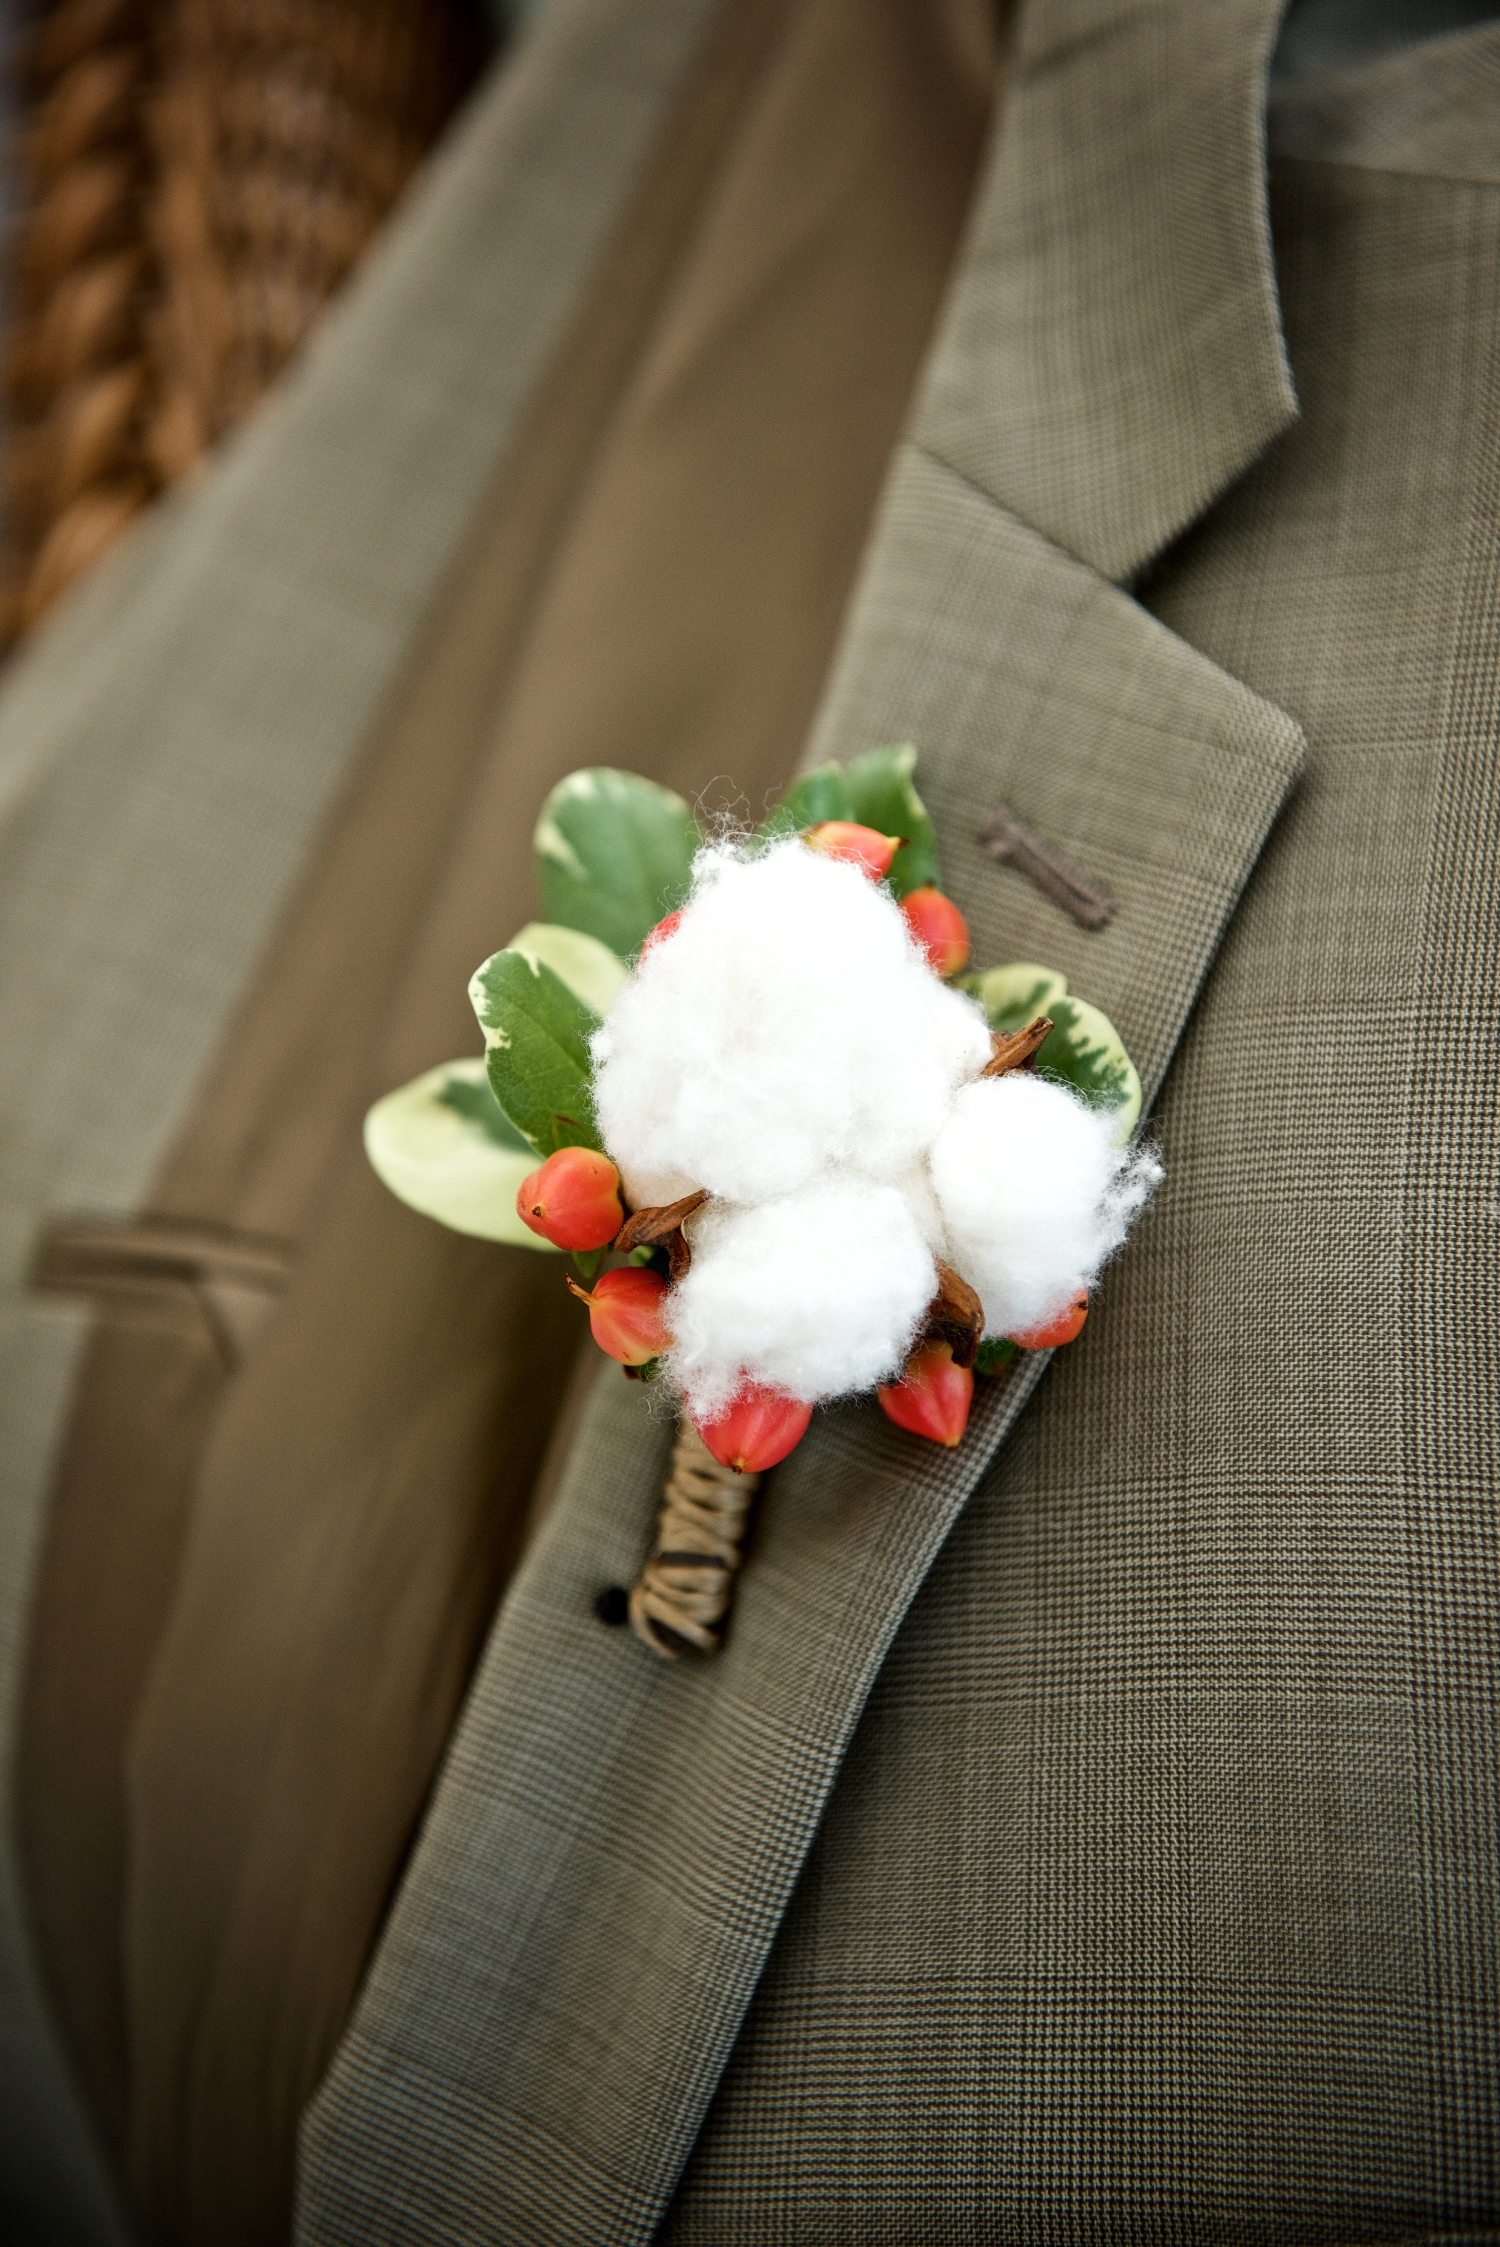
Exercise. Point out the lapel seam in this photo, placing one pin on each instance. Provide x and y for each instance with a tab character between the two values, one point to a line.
1113	472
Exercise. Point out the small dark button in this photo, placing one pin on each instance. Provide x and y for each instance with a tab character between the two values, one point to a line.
613	1604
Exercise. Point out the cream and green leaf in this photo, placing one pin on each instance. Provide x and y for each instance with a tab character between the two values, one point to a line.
445	1144
536	1037
441	1145
1013	996
590	969
613	854
1083	1050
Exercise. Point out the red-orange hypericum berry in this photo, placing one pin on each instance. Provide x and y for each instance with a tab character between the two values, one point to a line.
1056	1331
758	1428
625	1313
864	847
939	927
662	931
573	1200
932	1397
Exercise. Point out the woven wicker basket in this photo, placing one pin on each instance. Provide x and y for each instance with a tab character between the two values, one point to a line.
196	177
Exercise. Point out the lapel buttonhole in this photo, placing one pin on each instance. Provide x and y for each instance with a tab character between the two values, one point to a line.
1009	840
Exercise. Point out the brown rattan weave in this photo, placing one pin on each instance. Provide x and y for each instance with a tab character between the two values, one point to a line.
196	177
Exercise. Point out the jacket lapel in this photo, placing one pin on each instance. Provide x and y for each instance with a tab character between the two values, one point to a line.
614	1841
1112	354
1028	679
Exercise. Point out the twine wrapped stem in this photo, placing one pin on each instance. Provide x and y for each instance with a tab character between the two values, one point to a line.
679	1601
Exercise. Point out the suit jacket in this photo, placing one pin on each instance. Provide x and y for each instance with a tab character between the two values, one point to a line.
1087	1835
299	1434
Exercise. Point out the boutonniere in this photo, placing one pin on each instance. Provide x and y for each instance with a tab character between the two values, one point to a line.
796	1147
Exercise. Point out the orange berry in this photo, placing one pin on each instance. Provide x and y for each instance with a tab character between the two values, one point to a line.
662	931
939	927
1057	1330
864	847
932	1397
573	1200
626	1313
758	1428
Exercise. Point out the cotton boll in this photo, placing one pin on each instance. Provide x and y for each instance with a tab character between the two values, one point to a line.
915	1185
1034	1193
818	1294
653	1189
787	1028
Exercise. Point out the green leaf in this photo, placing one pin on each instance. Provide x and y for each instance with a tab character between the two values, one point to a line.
882	796
993	1356
1013	996
536	1034
817	796
469	1095
1085	1051
875	791
567	1132
614	855
434	1145
590	969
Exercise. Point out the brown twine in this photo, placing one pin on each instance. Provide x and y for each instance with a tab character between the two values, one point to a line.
683	1593
197	178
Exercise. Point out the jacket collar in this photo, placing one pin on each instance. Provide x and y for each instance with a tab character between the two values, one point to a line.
1112	353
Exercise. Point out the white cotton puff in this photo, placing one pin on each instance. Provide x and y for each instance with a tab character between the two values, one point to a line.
787	1029
915	1185
1035	1194
817	1294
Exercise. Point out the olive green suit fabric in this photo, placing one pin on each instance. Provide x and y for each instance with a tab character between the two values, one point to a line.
1090	1835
